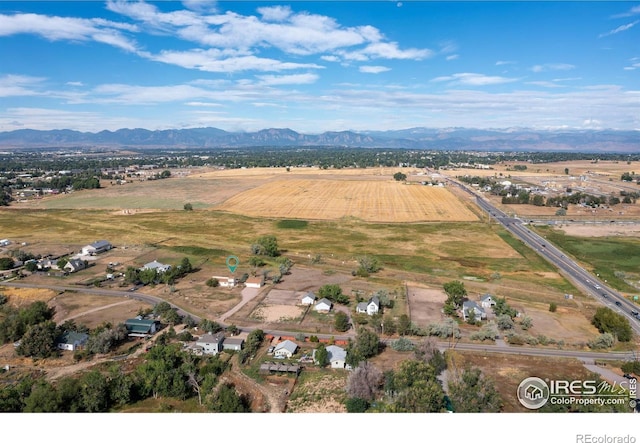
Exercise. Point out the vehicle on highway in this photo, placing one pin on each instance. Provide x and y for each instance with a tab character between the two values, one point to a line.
634	313
629	376
618	303
605	295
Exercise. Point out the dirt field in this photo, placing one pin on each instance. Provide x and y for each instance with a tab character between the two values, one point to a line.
425	305
603	230
379	201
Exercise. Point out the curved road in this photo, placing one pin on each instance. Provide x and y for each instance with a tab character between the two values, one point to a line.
495	348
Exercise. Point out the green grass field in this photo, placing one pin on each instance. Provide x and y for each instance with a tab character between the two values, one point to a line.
606	256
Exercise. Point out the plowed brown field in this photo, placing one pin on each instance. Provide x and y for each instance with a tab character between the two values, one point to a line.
375	201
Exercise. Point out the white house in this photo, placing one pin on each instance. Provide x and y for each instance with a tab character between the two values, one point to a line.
285	349
487	301
226	282
254	282
370	308
74	265
468	306
70	341
210	344
233	343
159	267
96	247
309	298
323	305
47	263
337	357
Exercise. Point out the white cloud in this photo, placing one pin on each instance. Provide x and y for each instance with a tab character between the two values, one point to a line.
74	84
294	79
214	60
330	58
68	28
472	79
452	57
19	85
635	10
544	84
373	69
620	28
275	13
201	5
504	62
387	50
552	67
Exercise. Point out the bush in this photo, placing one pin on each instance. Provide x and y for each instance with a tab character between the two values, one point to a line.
213	283
606	320
402	344
603	341
553	307
444	330
487	332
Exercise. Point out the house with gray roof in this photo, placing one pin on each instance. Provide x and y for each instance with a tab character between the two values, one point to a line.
233	344
159	267
74	265
96	247
211	344
487	301
323	305
469	306
309	298
337	357
285	349
370	307
71	340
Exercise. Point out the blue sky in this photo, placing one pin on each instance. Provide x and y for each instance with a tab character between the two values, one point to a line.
319	66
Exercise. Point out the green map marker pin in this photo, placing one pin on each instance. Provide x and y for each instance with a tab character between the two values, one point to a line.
232	263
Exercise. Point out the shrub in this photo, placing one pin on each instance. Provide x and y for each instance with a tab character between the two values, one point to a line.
603	341
553	307
402	344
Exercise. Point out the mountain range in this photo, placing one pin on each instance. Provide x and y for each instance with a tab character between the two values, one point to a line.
513	139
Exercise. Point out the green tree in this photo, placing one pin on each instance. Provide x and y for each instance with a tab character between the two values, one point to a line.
334	293
6	263
341	322
471	391
399	176
367	343
226	399
94	392
188	207
321	355
356	405
266	245
416	389
165	174
606	320
404	325
43	398
39	340
213	283
456	292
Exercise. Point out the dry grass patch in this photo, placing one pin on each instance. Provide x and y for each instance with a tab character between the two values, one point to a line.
20	297
319	391
376	201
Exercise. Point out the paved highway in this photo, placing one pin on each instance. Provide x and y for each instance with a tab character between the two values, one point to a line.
578	275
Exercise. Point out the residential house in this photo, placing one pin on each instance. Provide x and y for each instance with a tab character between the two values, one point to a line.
285	349
74	265
337	357
233	344
159	267
309	298
254	282
226	282
487	301
468	306
211	344
96	247
370	307
70	340
47	263
323	305
141	327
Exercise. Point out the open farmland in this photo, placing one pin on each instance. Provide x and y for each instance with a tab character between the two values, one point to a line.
377	201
